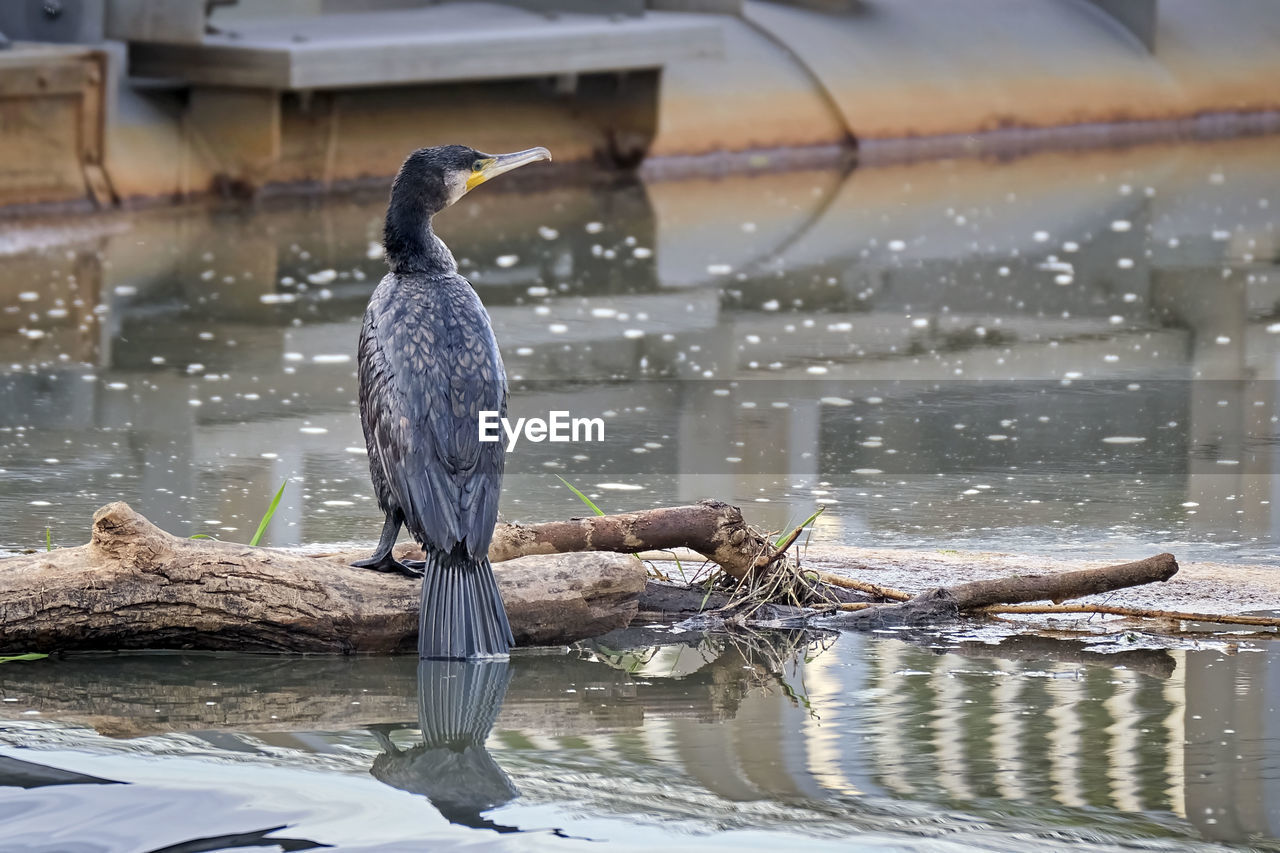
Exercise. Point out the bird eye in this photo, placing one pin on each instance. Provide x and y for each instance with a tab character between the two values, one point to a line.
477	165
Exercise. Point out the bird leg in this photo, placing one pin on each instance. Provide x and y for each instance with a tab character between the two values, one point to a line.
382	560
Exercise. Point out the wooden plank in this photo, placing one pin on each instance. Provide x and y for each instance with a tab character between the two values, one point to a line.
51	131
422	54
26	73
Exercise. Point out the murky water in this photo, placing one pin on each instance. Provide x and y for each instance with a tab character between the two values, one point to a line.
711	743
1074	353
1067	352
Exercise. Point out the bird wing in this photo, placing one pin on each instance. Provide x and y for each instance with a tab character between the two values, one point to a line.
429	365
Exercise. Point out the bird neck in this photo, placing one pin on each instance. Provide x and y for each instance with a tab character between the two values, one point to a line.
411	244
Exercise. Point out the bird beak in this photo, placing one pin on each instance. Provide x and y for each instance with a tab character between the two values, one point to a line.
491	167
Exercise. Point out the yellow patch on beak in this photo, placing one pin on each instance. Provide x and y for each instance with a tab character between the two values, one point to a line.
480	175
491	167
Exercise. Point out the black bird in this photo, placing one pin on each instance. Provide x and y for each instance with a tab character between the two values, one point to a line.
428	365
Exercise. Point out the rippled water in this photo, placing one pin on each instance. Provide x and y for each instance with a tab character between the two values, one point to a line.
647	740
1067	352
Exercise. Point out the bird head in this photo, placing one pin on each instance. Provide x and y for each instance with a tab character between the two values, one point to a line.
437	177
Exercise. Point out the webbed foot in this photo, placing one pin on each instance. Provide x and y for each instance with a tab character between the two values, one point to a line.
416	565
390	564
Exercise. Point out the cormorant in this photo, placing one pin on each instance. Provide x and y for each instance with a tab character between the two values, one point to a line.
428	365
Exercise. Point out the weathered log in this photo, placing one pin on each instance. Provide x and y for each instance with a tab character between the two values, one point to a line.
714	529
946	603
135	586
1062	586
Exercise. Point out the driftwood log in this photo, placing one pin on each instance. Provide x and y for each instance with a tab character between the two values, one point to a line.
714	529
135	586
946	603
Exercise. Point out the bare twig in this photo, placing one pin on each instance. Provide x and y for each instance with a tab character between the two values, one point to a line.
885	592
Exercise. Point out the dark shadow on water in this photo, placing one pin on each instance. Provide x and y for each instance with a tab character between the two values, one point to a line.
241	840
15	773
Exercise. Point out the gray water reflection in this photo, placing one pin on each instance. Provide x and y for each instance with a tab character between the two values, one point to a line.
917	324
999	746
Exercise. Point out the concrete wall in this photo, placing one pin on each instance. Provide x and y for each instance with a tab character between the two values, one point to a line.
897	70
924	78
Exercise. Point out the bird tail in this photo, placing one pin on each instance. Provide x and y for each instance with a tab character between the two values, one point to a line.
462	614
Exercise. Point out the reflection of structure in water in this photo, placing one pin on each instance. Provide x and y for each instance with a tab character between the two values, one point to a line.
1040	724
458	702
860	736
928	273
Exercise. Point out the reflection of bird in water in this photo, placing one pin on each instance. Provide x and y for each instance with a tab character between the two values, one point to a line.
458	703
428	365
249	840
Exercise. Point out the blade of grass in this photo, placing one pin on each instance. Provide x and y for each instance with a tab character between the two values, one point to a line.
27	656
711	583
801	526
586	500
266	519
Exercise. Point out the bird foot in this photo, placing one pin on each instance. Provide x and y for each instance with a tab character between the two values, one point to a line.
416	565
391	565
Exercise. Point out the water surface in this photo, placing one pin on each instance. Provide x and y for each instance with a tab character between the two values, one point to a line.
718	742
1067	352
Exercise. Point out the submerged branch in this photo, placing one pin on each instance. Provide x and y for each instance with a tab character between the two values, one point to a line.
1138	612
885	592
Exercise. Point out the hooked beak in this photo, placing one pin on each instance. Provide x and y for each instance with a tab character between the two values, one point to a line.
491	167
